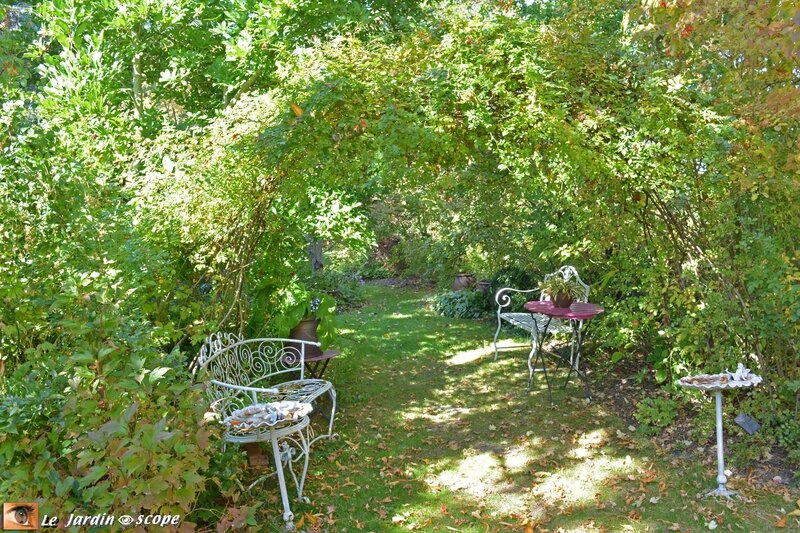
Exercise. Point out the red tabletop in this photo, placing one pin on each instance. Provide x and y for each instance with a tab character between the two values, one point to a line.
576	311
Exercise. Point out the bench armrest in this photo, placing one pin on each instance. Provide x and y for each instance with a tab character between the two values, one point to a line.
503	298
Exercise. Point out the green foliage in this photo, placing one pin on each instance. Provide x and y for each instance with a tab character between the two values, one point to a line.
303	303
373	269
785	426
103	427
343	287
656	412
460	304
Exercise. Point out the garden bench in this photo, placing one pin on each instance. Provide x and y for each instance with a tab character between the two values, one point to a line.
528	321
249	387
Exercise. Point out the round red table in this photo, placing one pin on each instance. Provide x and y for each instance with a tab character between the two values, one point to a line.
577	314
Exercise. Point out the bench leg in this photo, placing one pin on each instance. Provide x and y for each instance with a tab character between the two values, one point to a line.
288	515
305	450
332	393
330	434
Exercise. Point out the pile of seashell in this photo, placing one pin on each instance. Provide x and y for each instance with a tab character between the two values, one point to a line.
743	377
266	415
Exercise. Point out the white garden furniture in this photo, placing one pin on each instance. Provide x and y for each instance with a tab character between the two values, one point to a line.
529	321
717	383
250	388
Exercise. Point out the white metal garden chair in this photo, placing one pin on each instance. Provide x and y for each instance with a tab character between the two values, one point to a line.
534	323
242	373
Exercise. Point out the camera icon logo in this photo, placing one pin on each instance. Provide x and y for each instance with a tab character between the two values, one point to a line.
20	516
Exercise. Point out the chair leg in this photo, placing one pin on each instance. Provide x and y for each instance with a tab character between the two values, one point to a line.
534	348
572	353
496	334
288	515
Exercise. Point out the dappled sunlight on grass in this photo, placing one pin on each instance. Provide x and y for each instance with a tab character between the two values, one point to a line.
470	356
438	414
579	483
587	443
516	458
477	475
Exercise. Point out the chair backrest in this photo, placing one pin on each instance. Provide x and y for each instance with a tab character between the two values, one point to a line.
568	272
227	359
505	296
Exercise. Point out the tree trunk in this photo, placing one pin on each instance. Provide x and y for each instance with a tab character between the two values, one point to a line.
136	81
315	256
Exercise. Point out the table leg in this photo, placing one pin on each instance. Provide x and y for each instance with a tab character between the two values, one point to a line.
316	369
537	351
312	369
577	339
722	479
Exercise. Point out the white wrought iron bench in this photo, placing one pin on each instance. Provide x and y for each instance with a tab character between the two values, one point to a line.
248	377
527	321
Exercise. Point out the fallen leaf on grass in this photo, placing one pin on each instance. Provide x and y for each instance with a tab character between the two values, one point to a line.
796	512
649	476
781	523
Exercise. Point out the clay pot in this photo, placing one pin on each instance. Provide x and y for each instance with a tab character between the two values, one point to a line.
463	281
483	286
306	330
562	300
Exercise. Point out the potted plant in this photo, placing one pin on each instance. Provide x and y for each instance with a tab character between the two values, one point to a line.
309	315
463	281
318	323
561	291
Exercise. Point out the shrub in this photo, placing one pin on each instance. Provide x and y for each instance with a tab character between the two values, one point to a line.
460	304
656	412
344	287
116	429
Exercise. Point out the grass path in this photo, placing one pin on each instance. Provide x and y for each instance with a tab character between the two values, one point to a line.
436	436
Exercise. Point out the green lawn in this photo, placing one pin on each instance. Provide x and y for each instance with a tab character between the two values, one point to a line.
437	436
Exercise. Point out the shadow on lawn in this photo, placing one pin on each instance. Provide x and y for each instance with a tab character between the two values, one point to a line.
438	435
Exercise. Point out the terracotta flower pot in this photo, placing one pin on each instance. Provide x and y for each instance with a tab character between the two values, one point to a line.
562	300
463	281
306	330
483	286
